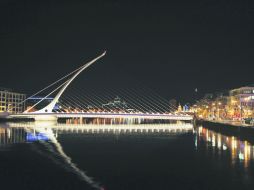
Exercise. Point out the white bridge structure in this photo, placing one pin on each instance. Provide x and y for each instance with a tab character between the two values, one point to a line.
48	112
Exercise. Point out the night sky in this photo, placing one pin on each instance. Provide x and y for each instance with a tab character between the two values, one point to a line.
172	47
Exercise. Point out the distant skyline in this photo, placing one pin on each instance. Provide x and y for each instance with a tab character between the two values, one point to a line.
171	47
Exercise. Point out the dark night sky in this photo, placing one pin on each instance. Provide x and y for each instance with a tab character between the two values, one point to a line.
171	46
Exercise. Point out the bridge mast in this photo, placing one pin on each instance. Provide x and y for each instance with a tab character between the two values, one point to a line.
49	108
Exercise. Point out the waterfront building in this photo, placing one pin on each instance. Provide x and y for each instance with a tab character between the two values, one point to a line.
219	106
242	101
236	104
11	102
179	109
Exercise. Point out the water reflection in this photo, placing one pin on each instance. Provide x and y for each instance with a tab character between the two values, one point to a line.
35	131
240	150
116	121
11	135
43	138
43	134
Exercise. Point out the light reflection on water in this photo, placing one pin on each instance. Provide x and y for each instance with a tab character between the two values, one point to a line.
19	133
46	134
240	151
11	133
170	146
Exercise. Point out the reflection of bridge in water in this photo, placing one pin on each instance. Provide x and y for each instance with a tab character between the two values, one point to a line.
18	132
46	133
151	128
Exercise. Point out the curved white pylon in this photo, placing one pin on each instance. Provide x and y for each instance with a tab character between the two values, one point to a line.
49	108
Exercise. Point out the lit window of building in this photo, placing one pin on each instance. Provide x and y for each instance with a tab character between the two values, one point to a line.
11	102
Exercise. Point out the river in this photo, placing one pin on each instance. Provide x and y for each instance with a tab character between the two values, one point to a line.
122	157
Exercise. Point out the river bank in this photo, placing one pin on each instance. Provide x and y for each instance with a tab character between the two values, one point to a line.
242	131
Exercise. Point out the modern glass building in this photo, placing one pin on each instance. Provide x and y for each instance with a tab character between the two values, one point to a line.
244	95
11	102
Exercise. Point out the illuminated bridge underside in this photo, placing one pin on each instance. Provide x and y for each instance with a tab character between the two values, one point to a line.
143	128
53	116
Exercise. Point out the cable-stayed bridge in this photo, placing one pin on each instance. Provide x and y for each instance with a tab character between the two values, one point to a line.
74	106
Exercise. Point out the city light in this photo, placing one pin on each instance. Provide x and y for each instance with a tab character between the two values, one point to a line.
235	105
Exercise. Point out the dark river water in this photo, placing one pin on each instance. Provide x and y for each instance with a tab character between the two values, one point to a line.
50	157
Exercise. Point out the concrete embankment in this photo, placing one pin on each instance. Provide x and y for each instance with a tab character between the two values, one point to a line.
230	129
